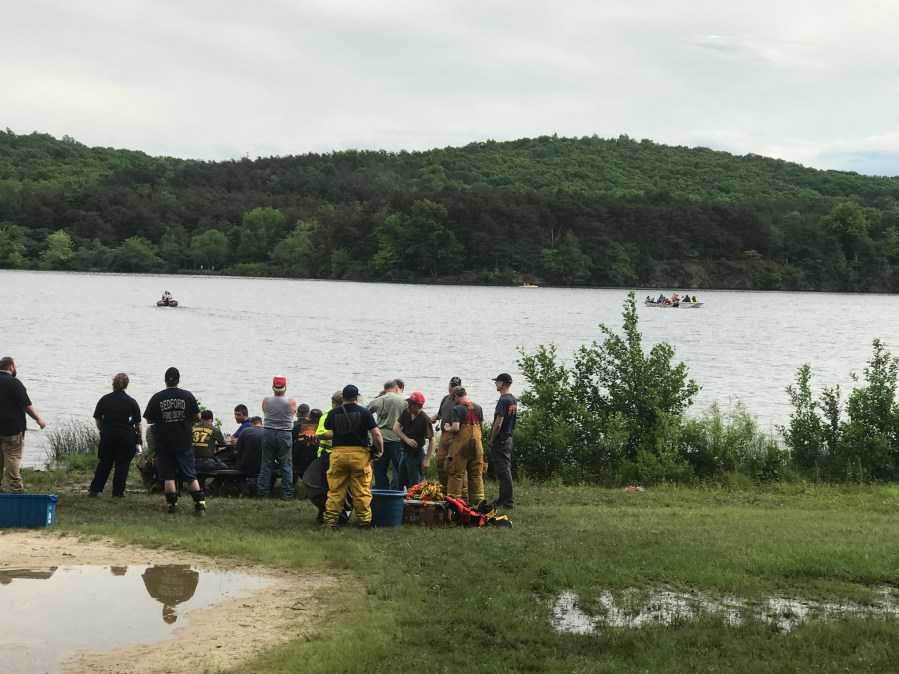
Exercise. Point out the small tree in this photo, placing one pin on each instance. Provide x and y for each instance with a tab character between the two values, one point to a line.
617	412
59	251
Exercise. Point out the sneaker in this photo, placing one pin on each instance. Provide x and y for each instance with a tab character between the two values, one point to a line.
200	509
173	508
93	494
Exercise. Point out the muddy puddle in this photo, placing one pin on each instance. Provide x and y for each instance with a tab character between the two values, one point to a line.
54	612
635	608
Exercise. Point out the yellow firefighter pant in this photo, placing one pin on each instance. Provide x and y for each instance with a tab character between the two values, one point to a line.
443	445
350	467
465	459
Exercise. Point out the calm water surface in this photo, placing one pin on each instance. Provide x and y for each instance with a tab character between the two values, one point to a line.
70	333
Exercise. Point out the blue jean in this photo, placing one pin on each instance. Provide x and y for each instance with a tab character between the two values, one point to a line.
391	457
276	446
410	468
207	466
501	458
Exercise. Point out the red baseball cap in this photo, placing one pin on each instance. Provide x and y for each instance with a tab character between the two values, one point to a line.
279	382
417	397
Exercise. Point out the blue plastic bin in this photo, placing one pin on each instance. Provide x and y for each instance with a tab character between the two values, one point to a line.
28	510
387	507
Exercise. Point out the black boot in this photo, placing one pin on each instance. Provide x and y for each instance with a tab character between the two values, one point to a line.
172	500
199	503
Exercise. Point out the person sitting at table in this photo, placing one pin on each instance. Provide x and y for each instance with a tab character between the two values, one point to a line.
249	454
207	439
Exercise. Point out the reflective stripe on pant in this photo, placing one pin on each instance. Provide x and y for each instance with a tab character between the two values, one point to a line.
465	458
350	467
11	448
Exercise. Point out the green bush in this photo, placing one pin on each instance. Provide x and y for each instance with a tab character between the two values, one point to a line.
614	416
860	443
718	444
73	444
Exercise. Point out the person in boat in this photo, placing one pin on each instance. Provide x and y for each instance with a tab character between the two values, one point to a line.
662	299
649	299
166	297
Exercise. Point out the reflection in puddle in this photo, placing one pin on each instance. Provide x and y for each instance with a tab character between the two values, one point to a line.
634	608
97	608
171	584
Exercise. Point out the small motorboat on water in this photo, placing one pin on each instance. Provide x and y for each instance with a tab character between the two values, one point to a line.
528	285
673	302
672	305
167	300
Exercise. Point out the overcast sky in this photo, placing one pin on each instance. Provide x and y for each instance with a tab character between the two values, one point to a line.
810	81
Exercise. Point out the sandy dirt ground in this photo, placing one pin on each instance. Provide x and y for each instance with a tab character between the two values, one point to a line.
275	614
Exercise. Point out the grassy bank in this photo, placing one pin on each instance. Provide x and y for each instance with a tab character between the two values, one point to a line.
420	600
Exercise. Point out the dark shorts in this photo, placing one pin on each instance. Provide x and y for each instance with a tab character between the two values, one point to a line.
176	465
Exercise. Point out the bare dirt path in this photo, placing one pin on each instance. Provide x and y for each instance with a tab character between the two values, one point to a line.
273	615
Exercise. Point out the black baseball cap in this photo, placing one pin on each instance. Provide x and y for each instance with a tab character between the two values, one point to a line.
504	377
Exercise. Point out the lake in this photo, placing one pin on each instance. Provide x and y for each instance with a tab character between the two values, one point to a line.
70	333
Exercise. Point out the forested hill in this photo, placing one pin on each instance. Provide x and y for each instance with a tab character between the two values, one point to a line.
587	211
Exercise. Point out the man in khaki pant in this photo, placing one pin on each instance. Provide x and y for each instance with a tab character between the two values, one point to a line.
14	405
465	456
351	458
444	416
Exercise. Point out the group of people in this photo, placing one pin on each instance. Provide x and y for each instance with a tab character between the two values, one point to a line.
390	442
674	299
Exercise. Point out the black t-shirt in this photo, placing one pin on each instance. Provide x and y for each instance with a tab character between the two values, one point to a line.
351	424
13	401
173	410
118	412
419	428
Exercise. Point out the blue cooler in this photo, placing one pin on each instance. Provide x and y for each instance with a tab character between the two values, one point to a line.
28	510
387	507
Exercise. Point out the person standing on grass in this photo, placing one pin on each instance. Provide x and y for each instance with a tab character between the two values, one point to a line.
415	431
387	409
117	416
465	456
501	440
351	458
444	416
173	412
14	405
279	412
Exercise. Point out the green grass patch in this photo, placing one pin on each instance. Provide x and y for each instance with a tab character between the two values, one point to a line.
447	600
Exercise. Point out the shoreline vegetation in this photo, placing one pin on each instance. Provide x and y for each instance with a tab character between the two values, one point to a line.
588	211
728	516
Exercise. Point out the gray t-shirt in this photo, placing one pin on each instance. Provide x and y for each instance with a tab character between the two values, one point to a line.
387	409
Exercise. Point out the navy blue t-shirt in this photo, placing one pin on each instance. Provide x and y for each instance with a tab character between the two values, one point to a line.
351	424
507	408
173	411
118	412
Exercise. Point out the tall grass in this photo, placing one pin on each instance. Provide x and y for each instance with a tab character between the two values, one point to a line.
72	443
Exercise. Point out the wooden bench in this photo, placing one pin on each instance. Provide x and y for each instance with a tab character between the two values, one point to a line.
234	477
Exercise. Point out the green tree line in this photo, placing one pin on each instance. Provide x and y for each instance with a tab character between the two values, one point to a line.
567	211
